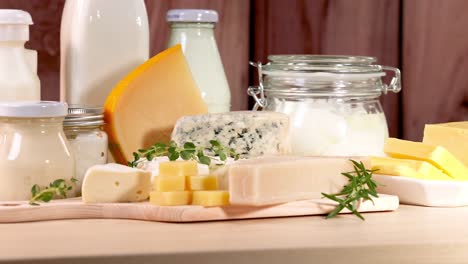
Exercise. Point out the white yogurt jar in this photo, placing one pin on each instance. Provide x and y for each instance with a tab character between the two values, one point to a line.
83	128
33	147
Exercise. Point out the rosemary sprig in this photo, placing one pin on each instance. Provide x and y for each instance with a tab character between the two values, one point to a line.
58	188
361	186
189	151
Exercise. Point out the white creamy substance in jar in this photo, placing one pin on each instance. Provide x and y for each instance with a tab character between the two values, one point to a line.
319	127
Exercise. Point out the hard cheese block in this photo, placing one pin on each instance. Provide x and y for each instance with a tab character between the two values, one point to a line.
171	198
169	183
114	183
210	198
408	168
270	180
178	168
144	107
249	133
202	182
436	155
452	136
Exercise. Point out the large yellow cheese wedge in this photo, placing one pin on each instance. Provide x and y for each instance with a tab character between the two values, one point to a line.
436	155
452	136
407	168
144	107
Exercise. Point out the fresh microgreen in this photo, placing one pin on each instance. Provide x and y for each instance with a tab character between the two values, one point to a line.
188	151
361	187
57	188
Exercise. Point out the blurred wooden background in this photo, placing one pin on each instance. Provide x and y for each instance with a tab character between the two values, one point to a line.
427	39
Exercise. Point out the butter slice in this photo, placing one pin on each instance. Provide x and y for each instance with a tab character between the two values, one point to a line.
178	168
114	183
452	136
202	183
210	198
171	198
169	183
270	180
408	168
436	155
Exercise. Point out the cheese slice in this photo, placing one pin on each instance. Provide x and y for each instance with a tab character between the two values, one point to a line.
436	155
408	168
115	183
452	136
270	180
144	107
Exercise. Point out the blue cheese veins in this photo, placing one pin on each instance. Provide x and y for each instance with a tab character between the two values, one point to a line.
249	133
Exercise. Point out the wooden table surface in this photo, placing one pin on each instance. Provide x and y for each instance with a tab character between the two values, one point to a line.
409	235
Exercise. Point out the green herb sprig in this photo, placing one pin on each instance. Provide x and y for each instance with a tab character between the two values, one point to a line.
56	188
361	186
189	151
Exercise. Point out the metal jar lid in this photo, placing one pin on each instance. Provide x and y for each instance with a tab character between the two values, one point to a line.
81	116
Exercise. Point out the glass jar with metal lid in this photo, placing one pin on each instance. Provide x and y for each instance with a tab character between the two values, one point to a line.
84	130
332	101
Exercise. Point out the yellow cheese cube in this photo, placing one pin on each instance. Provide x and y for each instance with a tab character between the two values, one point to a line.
169	183
210	198
436	155
178	168
170	198
408	168
202	183
452	136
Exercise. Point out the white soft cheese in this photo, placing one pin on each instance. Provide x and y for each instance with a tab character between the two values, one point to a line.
113	183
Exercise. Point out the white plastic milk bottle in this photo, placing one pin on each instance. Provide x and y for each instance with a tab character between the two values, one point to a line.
194	30
18	78
101	42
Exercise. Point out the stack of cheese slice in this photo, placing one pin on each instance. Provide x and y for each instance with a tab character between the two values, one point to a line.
419	160
178	183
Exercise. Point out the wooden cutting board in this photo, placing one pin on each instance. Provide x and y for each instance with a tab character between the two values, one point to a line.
14	212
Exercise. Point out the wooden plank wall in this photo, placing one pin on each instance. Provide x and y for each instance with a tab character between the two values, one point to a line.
426	38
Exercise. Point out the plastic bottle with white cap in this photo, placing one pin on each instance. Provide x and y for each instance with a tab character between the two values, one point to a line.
194	30
18	78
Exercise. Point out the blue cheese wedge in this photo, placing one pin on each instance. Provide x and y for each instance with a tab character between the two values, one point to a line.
115	183
249	133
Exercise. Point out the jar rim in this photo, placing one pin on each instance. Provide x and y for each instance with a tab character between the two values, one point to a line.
84	116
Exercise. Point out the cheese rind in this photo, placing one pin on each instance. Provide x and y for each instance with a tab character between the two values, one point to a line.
249	133
169	183
270	180
202	183
170	198
144	106
408	168
210	198
452	136
114	183
436	155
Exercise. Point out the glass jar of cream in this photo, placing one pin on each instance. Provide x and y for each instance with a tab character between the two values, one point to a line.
332	101
33	148
83	128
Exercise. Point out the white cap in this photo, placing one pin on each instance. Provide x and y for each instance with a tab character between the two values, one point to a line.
192	15
33	109
14	25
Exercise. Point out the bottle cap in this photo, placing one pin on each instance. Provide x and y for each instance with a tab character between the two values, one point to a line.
14	25
83	116
33	109
192	15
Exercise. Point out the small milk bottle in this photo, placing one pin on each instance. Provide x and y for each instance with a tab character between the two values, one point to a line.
18	78
101	42
194	30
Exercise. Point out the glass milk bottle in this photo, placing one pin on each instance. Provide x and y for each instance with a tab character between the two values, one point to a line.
194	30
18	79
101	41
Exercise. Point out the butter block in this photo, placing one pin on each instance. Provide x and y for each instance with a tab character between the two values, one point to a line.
436	155
452	136
271	180
210	198
202	183
178	168
169	183
170	198
114	183
408	168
